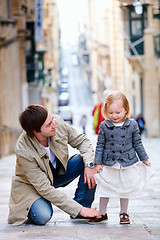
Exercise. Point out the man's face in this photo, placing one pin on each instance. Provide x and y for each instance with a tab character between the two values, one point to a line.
48	128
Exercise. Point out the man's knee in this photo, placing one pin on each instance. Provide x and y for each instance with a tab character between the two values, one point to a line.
42	217
78	161
40	212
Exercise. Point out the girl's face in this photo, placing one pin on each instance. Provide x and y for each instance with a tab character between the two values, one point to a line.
116	111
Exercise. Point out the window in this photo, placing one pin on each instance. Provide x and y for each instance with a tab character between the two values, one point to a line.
137	23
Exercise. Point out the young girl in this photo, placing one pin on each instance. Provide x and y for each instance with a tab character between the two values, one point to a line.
120	173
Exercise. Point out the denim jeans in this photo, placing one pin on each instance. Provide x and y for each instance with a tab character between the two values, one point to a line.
41	210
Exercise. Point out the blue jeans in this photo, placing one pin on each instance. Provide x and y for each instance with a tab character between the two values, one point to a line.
41	210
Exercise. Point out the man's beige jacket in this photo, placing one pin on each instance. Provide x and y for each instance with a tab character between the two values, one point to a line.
33	177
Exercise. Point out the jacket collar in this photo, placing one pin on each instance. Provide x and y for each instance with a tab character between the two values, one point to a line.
109	124
37	146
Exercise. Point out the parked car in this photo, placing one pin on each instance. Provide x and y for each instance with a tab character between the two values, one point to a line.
63	87
66	113
63	99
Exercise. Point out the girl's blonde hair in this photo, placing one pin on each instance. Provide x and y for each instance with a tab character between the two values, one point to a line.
113	97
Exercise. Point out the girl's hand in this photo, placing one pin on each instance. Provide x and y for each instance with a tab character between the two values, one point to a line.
147	162
98	168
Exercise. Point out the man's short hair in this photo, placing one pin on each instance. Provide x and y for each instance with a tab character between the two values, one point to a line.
32	118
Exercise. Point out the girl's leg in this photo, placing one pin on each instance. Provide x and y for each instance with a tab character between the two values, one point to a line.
123	205
124	217
40	212
103	202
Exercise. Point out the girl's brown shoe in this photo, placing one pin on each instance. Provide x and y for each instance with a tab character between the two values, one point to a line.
124	218
96	220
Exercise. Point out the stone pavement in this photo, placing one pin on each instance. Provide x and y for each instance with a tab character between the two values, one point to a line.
144	211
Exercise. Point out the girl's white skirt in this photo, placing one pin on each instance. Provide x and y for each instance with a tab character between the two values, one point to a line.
124	182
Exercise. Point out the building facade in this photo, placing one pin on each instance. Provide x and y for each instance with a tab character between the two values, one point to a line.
50	45
13	15
22	78
123	48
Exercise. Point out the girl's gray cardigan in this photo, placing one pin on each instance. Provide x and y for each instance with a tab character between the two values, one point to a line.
121	144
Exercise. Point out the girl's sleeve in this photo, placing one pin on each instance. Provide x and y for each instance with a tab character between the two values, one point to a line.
137	143
100	146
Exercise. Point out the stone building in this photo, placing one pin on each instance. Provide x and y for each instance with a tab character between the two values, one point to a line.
21	81
50	45
124	54
13	15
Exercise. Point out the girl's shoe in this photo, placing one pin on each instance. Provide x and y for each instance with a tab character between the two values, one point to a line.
124	218
96	220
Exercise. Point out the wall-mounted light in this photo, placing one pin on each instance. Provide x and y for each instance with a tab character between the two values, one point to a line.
138	7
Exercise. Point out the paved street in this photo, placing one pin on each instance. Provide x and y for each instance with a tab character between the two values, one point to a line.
144	211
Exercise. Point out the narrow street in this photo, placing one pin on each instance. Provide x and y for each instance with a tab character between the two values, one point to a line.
117	40
80	94
144	211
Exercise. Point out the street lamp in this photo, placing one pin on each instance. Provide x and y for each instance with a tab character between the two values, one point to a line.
138	7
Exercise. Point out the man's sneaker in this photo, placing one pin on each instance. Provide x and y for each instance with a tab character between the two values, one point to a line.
124	218
96	220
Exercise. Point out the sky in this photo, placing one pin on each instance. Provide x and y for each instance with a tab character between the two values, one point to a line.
71	14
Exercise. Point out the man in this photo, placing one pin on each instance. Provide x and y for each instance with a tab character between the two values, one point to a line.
43	165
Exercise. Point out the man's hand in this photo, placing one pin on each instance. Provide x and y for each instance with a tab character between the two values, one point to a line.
88	176
89	212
